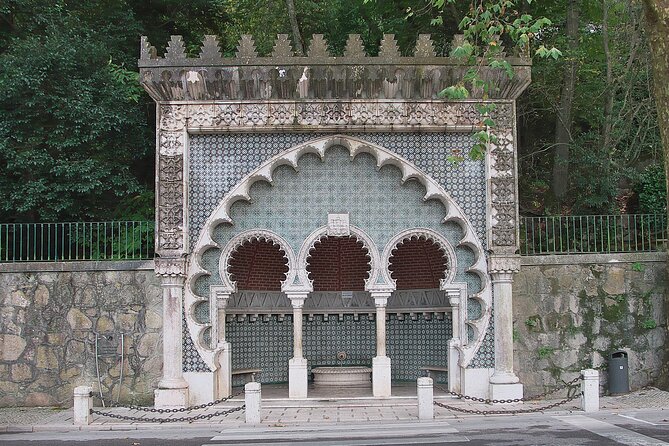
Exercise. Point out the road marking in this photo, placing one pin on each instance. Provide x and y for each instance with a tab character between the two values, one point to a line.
642	421
369	441
611	431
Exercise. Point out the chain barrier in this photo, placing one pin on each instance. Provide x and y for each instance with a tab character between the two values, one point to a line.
568	385
180	409
175	410
204	416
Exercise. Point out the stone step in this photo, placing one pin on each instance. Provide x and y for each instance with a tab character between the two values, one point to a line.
271	403
401	432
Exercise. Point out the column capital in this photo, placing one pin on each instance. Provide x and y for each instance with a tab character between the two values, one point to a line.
221	294
381	296
297	298
170	266
503	264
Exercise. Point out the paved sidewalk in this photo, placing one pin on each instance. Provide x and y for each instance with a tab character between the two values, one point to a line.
306	412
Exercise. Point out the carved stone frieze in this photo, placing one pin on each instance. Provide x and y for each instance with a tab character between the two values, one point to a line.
357	114
171	143
504	224
282	75
503	189
170	193
503	194
173	117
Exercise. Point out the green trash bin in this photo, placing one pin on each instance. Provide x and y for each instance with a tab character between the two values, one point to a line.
619	381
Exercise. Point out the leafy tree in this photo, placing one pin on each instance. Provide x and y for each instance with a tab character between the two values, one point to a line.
73	121
613	125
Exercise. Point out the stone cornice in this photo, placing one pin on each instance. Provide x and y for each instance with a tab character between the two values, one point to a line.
318	75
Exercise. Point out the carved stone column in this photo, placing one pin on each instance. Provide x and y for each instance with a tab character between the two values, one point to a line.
381	381
172	389
297	365
218	301
504	384
455	299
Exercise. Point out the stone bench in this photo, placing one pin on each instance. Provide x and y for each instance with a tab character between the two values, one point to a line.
243	372
432	370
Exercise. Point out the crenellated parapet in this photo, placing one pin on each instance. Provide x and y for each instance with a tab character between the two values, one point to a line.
319	75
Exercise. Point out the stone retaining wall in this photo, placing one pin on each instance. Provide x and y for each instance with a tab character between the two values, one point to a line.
49	316
571	312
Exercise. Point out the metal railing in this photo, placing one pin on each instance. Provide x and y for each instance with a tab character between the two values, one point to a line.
134	240
593	234
57	242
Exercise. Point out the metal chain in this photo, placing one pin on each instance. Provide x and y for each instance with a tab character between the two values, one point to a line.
569	385
204	416
180	409
509	412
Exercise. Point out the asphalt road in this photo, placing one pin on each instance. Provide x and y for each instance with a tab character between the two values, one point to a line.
639	428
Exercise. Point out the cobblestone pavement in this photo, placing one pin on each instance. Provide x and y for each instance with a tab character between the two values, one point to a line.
274	414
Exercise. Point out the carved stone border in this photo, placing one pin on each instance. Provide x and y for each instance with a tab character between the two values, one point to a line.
323	115
501	163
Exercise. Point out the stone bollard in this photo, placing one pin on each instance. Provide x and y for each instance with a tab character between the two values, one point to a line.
590	389
425	399
252	402
83	403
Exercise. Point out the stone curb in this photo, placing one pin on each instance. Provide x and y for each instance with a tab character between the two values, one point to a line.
13	428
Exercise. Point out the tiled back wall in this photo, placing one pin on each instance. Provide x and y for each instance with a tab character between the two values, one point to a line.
411	344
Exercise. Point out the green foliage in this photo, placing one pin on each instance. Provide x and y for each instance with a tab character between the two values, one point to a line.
652	190
485	27
639	267
532	321
72	119
649	324
544	352
607	149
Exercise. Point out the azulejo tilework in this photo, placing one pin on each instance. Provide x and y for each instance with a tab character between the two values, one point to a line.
219	162
267	345
289	190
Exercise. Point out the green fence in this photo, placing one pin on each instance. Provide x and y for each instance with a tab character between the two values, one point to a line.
593	234
56	242
134	240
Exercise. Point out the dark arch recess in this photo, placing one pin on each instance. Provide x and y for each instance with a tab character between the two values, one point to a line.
418	263
258	265
338	264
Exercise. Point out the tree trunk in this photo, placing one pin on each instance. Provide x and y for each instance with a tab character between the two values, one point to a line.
294	25
610	90
657	28
563	122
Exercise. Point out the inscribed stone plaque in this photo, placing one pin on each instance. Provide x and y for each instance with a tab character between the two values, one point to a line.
338	225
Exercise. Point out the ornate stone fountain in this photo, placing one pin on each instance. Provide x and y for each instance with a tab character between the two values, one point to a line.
342	376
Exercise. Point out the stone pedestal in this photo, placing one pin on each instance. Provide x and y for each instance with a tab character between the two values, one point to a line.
83	403
506	391
425	393
590	390
171	398
297	378
253	402
381	384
